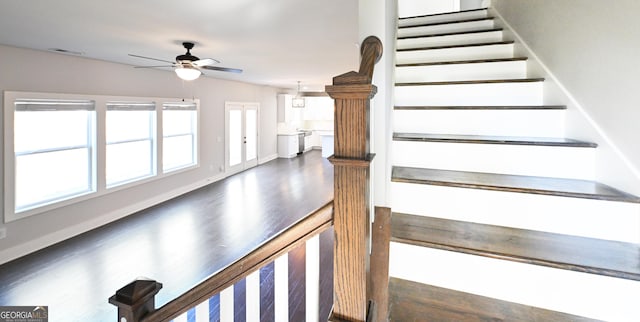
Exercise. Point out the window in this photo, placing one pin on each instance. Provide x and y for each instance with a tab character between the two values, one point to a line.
179	131
53	143
130	136
61	149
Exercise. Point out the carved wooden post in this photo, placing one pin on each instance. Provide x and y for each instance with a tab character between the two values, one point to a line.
135	300
352	93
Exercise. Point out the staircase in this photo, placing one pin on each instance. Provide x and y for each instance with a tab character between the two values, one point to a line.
495	213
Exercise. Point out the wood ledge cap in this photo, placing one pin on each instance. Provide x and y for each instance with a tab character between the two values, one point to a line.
352	91
348	162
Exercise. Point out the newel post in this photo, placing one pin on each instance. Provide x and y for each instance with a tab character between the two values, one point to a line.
135	300
352	93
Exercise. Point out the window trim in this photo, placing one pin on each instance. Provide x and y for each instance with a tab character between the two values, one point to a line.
194	134
98	149
152	137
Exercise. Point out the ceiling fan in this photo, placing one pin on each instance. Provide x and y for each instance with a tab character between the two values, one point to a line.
187	66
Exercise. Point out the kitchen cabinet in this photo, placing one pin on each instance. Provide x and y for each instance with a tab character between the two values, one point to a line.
287	145
307	143
288	114
327	143
315	140
285	112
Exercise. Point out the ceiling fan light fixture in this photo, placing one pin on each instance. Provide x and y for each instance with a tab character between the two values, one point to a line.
187	73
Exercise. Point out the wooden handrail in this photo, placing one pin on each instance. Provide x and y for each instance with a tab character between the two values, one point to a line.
370	52
137	303
352	93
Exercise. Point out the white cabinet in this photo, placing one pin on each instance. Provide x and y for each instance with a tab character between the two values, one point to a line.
285	112
307	143
292	116
327	143
287	145
315	140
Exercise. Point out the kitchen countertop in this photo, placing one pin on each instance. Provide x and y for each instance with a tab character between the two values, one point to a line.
289	133
325	133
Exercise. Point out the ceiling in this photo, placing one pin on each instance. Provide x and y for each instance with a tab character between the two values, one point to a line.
275	42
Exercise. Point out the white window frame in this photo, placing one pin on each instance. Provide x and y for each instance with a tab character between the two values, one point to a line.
152	138
43	105
99	149
194	134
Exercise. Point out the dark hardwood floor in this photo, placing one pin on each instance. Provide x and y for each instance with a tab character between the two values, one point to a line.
178	243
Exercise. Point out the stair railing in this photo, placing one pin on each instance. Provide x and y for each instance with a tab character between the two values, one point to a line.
349	213
352	93
136	301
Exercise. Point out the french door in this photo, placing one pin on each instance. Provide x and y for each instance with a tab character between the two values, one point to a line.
241	137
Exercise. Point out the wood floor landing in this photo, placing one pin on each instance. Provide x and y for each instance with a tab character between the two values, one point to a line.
455	33
485	139
441	14
512	183
461	62
471	82
411	301
178	243
479	108
446	22
493	43
587	255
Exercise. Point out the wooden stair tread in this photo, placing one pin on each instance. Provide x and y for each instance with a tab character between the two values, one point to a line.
582	254
522	107
481	44
512	183
480	81
441	14
460	62
412	301
454	33
485	139
446	22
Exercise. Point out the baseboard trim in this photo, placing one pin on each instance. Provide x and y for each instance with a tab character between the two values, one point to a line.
268	158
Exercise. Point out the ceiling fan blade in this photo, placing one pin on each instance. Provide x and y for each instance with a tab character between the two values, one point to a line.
222	69
153	66
162	60
205	62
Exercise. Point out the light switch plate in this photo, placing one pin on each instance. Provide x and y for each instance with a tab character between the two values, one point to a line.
3	232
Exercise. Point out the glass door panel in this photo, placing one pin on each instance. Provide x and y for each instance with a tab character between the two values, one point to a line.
241	144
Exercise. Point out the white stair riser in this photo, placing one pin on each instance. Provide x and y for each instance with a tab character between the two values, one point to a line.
588	295
571	216
443	18
450	40
454	72
536	123
454	27
543	161
526	93
453	54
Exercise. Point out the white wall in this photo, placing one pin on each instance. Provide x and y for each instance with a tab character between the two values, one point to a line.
591	48
409	8
378	18
37	71
474	4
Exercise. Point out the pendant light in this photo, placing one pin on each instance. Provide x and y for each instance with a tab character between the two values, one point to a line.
298	101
